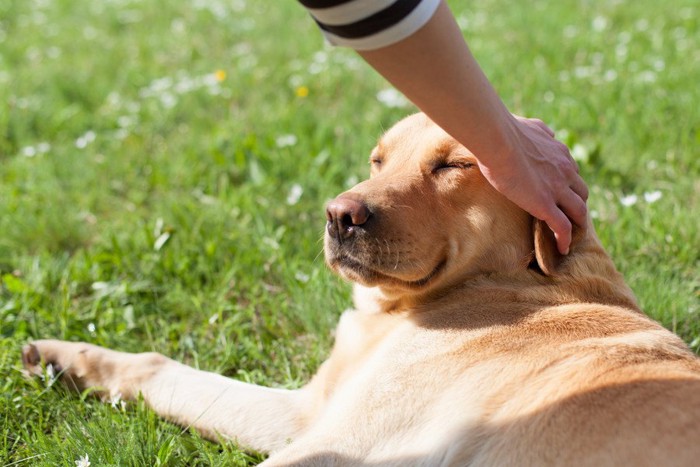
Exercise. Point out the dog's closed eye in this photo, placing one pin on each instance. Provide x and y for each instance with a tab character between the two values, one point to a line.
445	165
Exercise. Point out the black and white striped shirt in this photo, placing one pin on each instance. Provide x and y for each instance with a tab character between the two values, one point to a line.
369	24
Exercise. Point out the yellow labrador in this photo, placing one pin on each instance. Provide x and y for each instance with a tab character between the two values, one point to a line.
472	341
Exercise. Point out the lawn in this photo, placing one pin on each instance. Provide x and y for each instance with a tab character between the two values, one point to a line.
164	166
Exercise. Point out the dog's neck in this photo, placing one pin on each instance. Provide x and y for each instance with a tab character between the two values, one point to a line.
380	300
383	300
587	271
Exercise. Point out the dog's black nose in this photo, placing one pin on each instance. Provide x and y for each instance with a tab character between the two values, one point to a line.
344	214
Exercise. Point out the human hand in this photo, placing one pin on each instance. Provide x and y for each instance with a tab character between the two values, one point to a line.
537	173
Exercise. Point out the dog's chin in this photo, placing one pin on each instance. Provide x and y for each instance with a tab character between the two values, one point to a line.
354	271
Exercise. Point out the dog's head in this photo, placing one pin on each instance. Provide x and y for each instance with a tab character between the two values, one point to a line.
428	218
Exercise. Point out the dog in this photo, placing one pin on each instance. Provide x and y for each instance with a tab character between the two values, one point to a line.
472	342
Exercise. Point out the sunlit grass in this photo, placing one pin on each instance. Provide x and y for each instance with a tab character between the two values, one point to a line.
163	168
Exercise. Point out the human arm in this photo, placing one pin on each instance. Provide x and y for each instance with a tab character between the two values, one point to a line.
435	69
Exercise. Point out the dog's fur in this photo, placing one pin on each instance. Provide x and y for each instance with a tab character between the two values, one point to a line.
472	342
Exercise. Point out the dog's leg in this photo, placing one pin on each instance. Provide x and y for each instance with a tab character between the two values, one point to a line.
256	417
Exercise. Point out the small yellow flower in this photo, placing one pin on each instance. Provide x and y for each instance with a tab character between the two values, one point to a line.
220	75
302	91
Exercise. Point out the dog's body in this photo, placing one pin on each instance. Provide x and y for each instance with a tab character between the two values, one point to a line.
472	341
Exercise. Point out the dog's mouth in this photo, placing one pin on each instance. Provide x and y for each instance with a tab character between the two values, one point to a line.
357	271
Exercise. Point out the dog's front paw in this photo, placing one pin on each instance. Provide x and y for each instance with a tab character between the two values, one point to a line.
77	364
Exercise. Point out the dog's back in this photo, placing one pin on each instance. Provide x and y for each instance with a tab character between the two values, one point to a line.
454	383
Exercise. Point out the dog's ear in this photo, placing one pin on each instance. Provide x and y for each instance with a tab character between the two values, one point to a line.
547	257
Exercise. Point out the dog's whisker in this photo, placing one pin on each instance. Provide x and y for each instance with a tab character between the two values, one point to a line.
319	254
398	257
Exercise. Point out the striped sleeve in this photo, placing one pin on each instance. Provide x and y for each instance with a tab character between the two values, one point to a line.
369	24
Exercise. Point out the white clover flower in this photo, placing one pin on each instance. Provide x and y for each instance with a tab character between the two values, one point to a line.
117	402
99	285
610	75
652	196
121	134
213	79
463	22
294	194
646	76
284	141
161	84
629	200
392	98
29	151
301	277
50	371
599	23
659	64
85	139
570	31
579	152
624	37
161	241
168	100
583	71
642	24
186	85
621	51
178	26
83	461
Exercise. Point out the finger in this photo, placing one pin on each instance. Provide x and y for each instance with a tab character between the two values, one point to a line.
580	188
561	226
575	208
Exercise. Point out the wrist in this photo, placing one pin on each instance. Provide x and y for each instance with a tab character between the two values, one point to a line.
496	142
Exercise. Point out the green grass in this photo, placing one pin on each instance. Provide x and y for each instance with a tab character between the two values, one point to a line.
146	205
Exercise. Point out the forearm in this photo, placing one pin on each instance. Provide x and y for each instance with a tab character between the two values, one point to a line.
257	417
435	69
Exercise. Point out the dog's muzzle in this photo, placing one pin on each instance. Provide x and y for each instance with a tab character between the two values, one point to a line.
345	215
